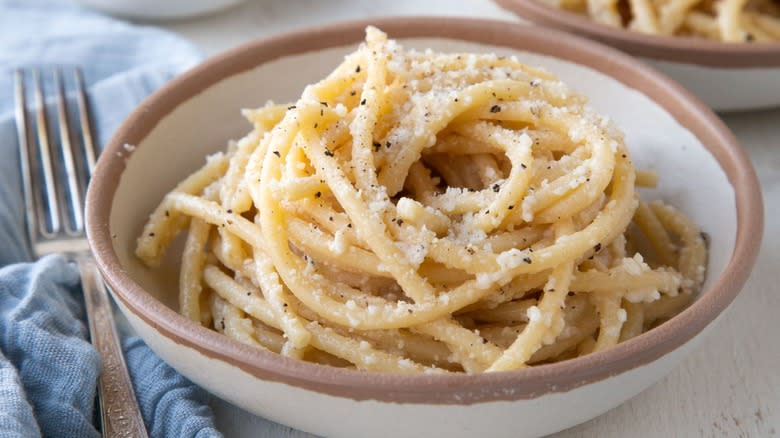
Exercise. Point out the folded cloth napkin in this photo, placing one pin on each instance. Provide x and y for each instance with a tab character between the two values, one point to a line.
48	371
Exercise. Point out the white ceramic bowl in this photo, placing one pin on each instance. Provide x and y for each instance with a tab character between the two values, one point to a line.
726	76
159	9
703	171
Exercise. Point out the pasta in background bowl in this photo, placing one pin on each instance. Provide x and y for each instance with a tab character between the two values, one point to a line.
665	129
730	21
720	55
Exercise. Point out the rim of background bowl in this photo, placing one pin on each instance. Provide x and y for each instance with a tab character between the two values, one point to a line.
697	51
432	389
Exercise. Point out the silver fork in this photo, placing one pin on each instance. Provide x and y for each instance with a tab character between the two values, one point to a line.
55	223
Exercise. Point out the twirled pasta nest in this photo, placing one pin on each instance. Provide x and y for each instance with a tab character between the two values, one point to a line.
424	212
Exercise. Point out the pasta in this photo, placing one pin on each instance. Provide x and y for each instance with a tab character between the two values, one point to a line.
733	21
420	212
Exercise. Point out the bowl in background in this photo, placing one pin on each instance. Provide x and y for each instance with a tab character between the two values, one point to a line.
700	164
159	10
726	76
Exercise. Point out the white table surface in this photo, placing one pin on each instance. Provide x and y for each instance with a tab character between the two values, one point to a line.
729	387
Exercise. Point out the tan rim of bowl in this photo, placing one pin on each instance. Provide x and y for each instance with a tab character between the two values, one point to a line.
663	48
436	389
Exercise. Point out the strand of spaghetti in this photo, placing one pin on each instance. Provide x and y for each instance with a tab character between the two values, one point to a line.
421	184
448	171
545	321
586	346
467	258
552	170
514	311
359	281
664	307
393	96
334	222
568	340
659	239
265	117
320	246
334	87
520	287
566	4
230	320
456	201
646	178
234	196
486	166
754	31
645	19
299	188
703	25
729	20
163	224
295	163
518	238
611	317
269	338
274	341
193	260
361	353
693	253
672	14
414	212
419	348
231	248
635	321
274	293
604	12
474	352
768	23
618	279
585	194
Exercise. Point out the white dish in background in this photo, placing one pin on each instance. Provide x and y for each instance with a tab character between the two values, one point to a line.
726	89
702	170
159	9
726	76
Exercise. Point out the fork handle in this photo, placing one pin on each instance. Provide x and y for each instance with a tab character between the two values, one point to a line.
119	410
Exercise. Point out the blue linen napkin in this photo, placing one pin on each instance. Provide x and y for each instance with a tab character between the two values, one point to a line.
48	370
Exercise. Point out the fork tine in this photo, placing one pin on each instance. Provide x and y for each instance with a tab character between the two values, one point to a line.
71	175
45	159
23	133
86	129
